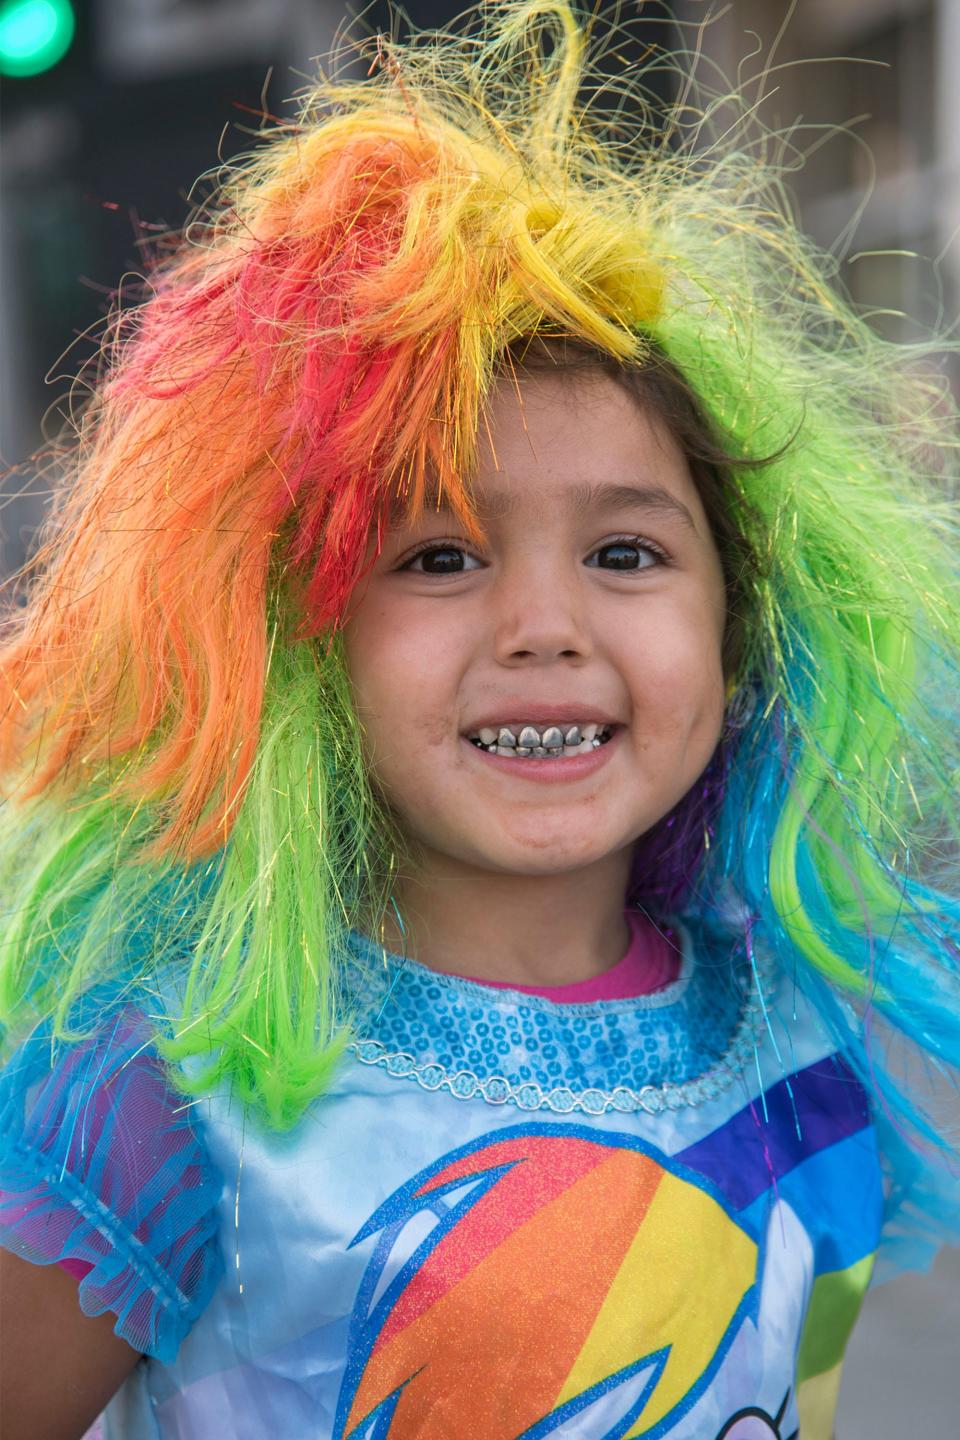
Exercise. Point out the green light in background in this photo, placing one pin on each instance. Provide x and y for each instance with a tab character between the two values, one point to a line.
34	35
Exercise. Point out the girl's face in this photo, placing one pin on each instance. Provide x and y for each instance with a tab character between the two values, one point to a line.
595	600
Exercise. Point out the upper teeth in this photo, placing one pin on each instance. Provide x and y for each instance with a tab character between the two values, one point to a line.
528	737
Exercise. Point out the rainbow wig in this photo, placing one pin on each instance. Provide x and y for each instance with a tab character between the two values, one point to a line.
185	776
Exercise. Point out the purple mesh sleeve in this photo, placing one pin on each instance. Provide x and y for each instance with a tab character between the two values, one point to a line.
103	1171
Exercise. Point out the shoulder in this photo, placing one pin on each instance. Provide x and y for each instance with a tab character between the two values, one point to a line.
104	1172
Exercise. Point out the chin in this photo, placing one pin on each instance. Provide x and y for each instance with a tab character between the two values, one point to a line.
542	858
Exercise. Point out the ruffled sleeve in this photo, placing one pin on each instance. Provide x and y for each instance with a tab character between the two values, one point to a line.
103	1171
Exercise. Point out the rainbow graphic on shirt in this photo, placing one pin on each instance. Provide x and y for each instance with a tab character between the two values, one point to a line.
514	1234
553	1280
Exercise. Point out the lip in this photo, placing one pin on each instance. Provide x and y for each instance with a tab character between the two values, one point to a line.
541	715
553	772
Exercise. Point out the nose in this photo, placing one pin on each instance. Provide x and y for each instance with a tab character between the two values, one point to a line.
540	615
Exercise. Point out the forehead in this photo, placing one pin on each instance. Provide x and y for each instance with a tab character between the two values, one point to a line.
569	441
572	440
536	416
574	431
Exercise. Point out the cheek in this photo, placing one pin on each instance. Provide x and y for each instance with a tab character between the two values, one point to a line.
403	680
368	661
676	669
401	697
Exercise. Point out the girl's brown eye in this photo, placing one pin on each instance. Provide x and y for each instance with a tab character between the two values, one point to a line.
625	555
441	560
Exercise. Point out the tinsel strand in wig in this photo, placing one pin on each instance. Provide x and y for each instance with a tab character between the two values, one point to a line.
324	344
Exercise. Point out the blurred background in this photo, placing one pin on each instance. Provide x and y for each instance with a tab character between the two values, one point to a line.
110	109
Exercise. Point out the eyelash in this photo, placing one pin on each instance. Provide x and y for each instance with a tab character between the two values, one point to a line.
639	541
433	545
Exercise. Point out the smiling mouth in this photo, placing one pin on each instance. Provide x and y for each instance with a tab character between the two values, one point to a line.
541	742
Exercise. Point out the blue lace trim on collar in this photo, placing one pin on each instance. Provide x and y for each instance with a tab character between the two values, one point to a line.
682	1045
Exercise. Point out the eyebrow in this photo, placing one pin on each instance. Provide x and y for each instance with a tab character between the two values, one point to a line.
612	496
606	495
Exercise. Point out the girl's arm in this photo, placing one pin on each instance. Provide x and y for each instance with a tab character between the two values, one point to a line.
105	1185
58	1367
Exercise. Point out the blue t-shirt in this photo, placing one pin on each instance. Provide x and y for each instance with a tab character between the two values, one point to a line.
507	1218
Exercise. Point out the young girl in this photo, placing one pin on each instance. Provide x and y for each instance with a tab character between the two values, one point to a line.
476	937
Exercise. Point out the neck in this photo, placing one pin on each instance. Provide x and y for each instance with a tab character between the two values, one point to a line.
518	929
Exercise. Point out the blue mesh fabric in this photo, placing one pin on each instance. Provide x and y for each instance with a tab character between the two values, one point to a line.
102	1166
